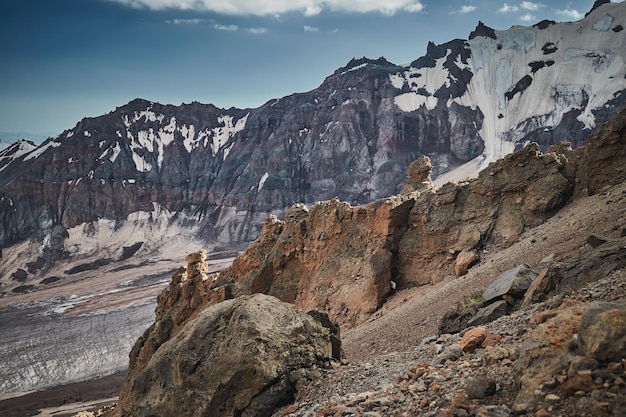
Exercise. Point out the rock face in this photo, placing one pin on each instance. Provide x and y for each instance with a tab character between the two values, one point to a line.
345	260
353	137
243	355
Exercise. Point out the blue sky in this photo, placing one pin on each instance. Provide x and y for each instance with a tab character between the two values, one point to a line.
62	60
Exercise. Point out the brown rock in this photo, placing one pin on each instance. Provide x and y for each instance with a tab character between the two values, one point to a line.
495	354
576	383
602	332
464	261
418	175
545	352
604	158
290	409
473	338
238	353
491	340
542	316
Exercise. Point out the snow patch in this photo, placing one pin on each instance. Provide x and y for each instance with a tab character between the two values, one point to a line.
409	102
39	151
397	80
358	67
190	141
262	181
227	150
140	163
223	133
116	151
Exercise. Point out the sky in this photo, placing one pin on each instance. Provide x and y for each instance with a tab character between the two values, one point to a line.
63	60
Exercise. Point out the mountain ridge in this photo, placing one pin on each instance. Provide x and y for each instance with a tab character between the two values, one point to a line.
351	137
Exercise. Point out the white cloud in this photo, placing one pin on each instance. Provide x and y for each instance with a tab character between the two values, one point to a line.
467	9
257	31
272	7
528	17
570	14
311	29
227	28
506	8
529	5
187	21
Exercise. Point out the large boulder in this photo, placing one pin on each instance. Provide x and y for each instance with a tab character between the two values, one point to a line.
235	358
573	274
513	282
602	332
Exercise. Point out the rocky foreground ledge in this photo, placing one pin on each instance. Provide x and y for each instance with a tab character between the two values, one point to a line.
561	357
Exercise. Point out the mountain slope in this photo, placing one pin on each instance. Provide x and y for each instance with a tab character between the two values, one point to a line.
220	172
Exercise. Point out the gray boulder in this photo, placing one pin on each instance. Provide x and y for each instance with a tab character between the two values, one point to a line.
513	282
236	358
489	313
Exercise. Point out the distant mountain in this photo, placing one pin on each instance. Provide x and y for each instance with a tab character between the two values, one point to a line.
11	137
352	137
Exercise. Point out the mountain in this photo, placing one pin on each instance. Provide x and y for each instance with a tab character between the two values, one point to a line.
352	137
97	218
344	262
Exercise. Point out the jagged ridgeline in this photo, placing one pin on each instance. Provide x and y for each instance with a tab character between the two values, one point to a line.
222	171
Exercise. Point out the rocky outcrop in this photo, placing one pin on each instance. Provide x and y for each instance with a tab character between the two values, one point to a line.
580	340
345	260
518	192
567	276
245	356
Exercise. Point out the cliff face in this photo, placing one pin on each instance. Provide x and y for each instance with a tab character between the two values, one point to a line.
345	260
353	137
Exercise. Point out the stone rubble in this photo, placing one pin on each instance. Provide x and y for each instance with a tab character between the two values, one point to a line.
476	374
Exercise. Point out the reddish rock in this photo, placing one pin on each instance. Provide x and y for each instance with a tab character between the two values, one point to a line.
542	316
290	409
491	340
473	338
576	383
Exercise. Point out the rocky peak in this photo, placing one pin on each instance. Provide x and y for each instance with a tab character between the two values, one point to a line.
596	5
483	30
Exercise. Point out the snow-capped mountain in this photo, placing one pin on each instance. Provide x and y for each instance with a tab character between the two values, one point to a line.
222	171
